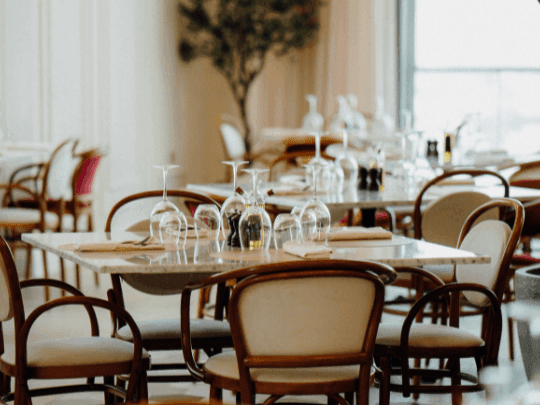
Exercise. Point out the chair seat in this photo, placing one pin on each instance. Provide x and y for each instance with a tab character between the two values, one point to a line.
170	329
427	336
15	218
75	352
225	365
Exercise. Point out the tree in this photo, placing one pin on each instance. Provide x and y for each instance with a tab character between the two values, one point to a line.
238	34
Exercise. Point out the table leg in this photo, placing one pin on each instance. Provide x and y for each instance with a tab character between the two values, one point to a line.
368	217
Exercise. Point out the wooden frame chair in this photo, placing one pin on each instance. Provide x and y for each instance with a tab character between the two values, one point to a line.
278	315
87	357
164	334
482	287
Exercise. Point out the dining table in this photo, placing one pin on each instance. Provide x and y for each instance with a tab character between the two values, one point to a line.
198	259
369	201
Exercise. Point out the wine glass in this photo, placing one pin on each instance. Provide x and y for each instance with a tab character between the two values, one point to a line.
172	226
347	162
322	214
286	227
318	160
234	204
255	227
164	205
255	196
207	221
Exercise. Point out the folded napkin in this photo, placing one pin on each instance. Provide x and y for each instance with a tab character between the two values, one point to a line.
289	189
307	250
357	233
125	246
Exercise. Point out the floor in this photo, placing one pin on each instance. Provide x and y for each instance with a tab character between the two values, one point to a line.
141	307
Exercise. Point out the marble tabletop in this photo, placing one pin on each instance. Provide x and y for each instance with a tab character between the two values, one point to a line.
205	257
391	196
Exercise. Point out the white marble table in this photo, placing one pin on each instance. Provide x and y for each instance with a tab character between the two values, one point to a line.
203	258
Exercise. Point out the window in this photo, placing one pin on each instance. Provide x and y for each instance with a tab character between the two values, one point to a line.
477	60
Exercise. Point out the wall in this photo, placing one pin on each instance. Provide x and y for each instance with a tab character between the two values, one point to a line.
108	72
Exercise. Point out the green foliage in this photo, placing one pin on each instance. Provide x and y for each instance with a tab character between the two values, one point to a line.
237	35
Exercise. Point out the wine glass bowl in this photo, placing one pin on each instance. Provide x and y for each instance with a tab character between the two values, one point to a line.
172	227
317	209
347	163
164	206
234	204
255	196
286	227
207	221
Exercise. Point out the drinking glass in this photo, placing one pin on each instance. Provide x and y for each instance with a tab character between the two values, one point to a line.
234	204
255	226
347	163
286	227
255	196
203	249
321	228
164	205
207	221
173	226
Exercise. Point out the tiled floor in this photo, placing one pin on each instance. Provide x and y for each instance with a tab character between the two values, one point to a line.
142	307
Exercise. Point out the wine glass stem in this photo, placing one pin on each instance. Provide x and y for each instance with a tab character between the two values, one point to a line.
254	179
314	183
318	146
164	184
234	167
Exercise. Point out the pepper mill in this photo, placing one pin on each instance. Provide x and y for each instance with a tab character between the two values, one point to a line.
374	184
363	184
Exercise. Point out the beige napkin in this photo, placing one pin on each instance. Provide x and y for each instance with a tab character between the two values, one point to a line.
357	233
123	246
290	189
307	250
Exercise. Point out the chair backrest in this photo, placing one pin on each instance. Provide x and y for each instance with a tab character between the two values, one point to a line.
57	176
11	304
231	136
155	284
495	239
84	173
528	175
441	221
307	314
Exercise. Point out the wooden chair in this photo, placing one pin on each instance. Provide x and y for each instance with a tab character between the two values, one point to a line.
163	334
48	182
528	175
285	319
67	358
232	138
482	287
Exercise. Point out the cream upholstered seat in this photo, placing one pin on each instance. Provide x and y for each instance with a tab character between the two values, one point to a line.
482	285
211	335
299	328
88	357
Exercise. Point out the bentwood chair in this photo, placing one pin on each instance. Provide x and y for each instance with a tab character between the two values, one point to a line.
480	286
211	335
66	358
49	183
299	328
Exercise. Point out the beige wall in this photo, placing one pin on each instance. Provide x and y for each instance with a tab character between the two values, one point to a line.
108	72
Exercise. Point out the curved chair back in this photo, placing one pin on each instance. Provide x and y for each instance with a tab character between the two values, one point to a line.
441	221
56	180
495	239
155	284
10	291
231	136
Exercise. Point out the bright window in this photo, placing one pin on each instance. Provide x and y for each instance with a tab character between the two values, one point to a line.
474	57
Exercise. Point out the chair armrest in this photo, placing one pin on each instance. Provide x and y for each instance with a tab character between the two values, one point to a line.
21	344
40	282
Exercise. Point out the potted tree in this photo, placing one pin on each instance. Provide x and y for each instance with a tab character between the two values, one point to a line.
238	34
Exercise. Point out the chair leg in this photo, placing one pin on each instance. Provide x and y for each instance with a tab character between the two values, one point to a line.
108	397
28	270
349	397
142	388
45	274
216	395
384	384
62	276
511	338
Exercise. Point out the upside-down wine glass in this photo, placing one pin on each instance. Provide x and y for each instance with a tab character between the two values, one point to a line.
347	162
321	228
234	204
164	205
255	226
